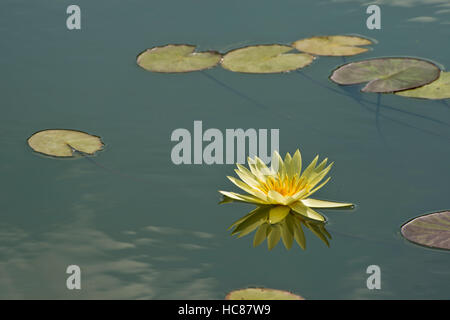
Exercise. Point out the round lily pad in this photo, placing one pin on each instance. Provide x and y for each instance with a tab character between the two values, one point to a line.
387	75
265	59
332	45
439	89
262	294
63	143
174	58
431	230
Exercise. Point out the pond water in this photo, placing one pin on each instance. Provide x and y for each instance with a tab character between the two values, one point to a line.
141	227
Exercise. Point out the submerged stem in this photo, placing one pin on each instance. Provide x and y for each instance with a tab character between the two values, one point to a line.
88	158
360	102
242	95
235	91
377	120
358	237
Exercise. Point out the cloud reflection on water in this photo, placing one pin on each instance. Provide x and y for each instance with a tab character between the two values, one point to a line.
135	264
438	5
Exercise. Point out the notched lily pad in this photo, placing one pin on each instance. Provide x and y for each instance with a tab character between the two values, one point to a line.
175	58
439	89
265	59
63	143
332	45
262	294
386	75
431	230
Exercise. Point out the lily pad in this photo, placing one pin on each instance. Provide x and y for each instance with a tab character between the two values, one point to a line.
262	294
62	143
332	45
431	230
386	75
175	58
439	89
265	59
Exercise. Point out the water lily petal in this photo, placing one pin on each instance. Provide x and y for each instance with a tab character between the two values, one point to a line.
252	165
244	186
310	168
296	197
277	164
255	192
321	165
316	178
278	213
276	198
262	167
296	162
287	165
243	198
314	203
287	158
249	180
306	211
246	171
318	187
255	170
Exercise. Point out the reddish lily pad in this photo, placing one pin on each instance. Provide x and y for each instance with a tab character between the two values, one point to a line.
431	230
386	75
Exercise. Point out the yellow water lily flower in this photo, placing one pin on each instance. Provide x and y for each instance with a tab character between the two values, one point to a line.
284	186
282	193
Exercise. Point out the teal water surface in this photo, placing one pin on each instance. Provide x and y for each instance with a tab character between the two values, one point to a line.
141	227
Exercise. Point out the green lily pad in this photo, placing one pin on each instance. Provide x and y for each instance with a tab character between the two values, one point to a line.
265	59
63	143
439	89
431	230
332	45
262	294
386	75
177	58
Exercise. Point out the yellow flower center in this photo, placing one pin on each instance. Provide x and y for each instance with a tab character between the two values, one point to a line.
283	185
